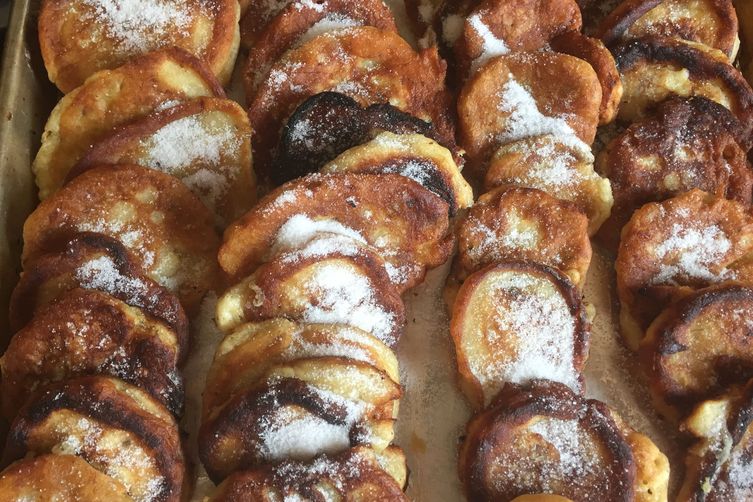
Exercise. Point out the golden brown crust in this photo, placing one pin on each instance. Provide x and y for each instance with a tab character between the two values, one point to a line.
514	322
299	410
251	350
515	223
698	347
654	68
544	438
559	165
116	428
522	25
598	56
413	155
689	143
218	169
352	289
167	229
519	88
94	261
79	38
415	220
674	247
111	98
51	478
87	332
368	65
292	24
710	22
354	475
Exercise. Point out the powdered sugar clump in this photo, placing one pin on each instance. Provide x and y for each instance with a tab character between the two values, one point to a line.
346	298
534	325
139	25
492	46
525	120
692	251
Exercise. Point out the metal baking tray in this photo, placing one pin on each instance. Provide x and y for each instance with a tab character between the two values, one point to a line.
433	414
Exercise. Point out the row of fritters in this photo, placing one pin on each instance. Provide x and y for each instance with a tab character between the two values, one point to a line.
520	327
681	265
307	364
91	379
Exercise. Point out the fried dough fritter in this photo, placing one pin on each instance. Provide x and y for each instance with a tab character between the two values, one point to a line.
522	95
407	224
111	98
166	228
677	246
87	332
514	322
81	37
689	143
515	223
545	438
205	142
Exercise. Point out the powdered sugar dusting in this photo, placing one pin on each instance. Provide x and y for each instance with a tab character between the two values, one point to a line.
346	298
138	25
300	229
188	141
492	46
331	22
102	274
565	436
692	251
526	120
534	322
291	433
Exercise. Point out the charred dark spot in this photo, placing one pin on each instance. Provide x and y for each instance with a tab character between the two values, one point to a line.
328	124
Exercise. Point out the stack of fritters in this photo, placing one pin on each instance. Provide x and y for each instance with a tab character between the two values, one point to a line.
355	126
534	89
141	163
682	224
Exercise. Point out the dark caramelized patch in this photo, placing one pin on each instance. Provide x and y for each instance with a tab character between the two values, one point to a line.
365	63
354	475
544	438
710	22
699	346
719	467
689	143
708	74
94	261
415	219
104	405
328	124
86	332
292	414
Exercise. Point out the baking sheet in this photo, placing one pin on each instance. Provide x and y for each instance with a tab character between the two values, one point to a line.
433	413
